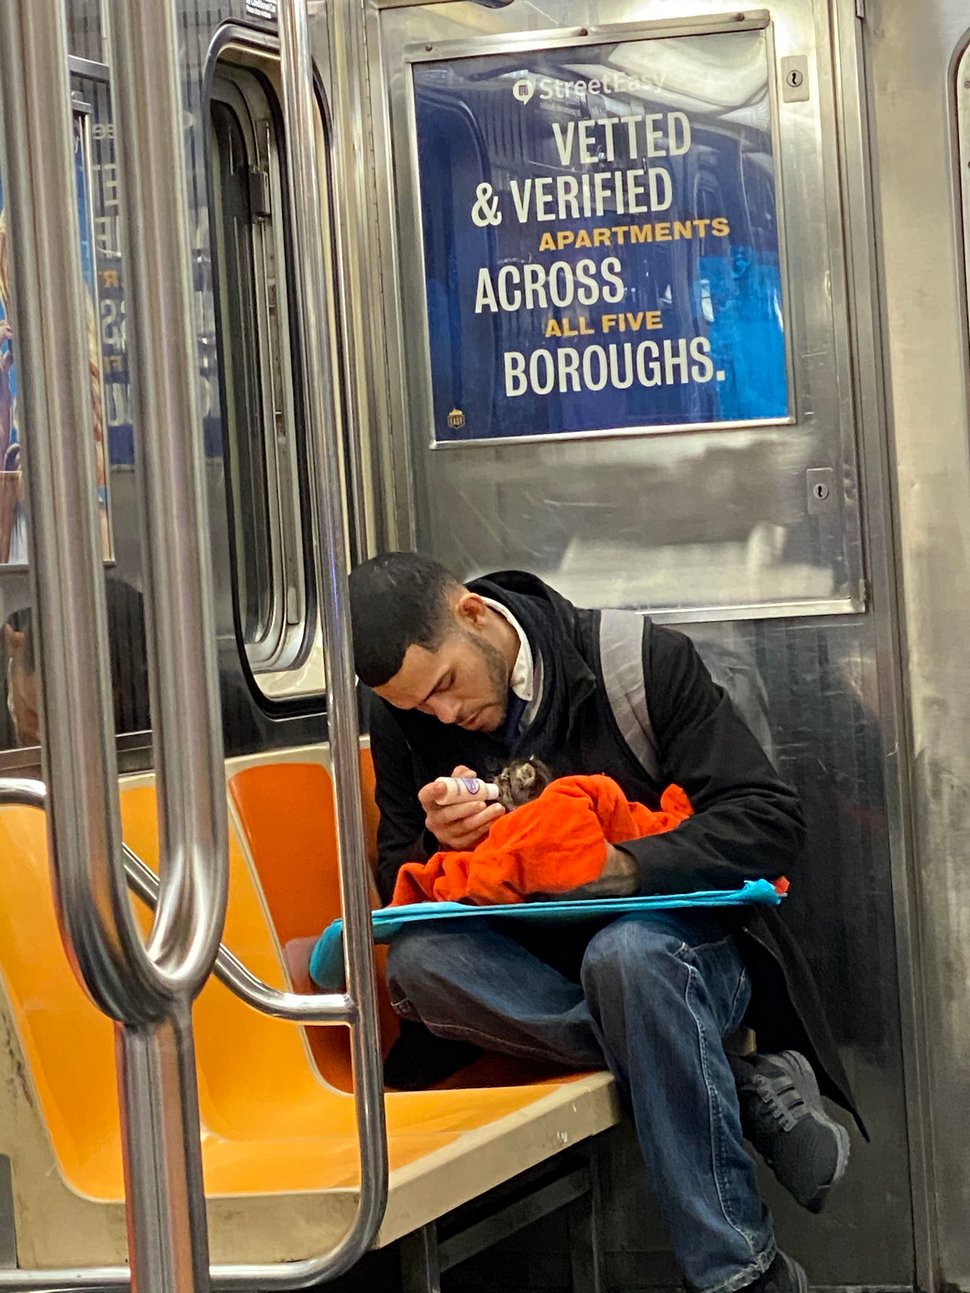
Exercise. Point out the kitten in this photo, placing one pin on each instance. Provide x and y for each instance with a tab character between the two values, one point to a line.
517	783
522	780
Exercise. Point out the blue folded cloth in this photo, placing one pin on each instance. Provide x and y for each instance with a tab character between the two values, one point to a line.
327	961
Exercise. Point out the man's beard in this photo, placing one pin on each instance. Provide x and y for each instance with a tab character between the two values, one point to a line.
498	674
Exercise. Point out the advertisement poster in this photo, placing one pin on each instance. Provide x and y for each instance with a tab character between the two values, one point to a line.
13	531
600	236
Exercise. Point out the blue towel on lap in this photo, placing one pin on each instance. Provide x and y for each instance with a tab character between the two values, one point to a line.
327	960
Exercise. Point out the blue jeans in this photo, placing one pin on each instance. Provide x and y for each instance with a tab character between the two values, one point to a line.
651	998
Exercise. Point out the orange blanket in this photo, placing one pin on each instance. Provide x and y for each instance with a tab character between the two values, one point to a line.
552	845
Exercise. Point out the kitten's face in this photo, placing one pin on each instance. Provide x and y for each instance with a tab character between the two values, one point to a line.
522	781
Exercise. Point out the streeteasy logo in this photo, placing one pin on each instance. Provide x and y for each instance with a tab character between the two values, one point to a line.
553	87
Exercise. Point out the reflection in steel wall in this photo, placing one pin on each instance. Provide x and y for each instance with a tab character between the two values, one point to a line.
13	523
830	731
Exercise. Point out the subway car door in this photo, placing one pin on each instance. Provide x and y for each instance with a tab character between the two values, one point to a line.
624	274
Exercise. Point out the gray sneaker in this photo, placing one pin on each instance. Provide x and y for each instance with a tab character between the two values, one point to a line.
784	1275
783	1118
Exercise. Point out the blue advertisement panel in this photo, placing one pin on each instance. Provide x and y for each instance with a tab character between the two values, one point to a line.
13	524
600	238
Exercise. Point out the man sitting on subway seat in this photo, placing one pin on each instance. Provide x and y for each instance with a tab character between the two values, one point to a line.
465	678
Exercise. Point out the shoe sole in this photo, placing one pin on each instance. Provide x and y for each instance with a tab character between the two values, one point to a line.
798	1274
803	1076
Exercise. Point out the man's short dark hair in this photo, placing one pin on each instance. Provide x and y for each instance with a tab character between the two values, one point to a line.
397	600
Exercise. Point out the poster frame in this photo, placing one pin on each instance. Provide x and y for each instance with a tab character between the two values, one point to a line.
576	37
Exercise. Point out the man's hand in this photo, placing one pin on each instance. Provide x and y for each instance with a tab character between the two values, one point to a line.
458	826
619	879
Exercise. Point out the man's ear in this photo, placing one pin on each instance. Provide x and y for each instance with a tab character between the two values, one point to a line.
471	611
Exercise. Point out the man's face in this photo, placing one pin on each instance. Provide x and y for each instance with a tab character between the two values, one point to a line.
465	681
22	698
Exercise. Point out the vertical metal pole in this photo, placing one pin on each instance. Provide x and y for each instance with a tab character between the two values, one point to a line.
420	1264
316	329
50	339
168	1232
149	994
167	1235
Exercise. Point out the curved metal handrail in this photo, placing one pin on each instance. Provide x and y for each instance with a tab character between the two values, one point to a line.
330	555
322	1009
186	715
148	990
58	452
298	1007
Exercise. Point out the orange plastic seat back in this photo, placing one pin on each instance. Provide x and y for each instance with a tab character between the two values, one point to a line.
286	811
68	1044
368	790
244	1058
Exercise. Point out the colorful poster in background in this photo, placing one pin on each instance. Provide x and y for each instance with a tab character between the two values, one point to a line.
111	276
13	530
13	546
116	389
600	238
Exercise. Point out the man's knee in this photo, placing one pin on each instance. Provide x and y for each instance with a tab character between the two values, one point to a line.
629	947
409	953
425	952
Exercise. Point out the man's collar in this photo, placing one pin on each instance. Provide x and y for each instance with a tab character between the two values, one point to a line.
522	680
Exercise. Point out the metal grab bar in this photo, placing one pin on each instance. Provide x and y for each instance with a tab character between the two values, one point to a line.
303	1009
49	318
326	1008
184	695
150	994
147	991
300	1008
330	554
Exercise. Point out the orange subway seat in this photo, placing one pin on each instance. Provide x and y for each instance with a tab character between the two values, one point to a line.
270	1123
286	811
67	1043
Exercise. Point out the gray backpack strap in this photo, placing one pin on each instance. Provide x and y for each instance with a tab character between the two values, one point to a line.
621	659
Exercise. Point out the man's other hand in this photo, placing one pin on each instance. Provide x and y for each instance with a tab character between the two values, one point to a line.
458	826
618	880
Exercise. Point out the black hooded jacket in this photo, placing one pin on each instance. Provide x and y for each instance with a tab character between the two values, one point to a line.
747	823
